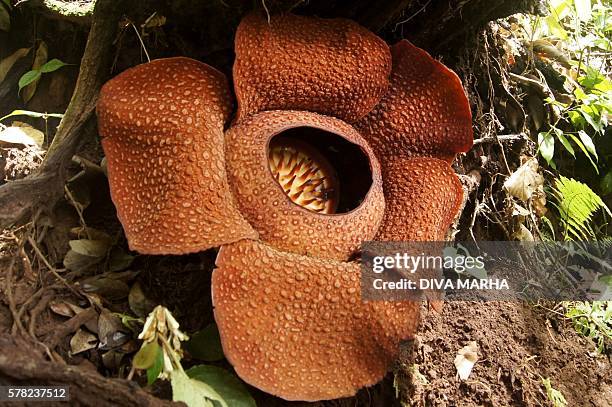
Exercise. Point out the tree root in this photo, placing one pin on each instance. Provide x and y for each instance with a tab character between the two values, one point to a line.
19	199
22	366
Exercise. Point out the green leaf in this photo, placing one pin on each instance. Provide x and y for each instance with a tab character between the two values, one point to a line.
566	144
206	344
588	143
555	28
32	114
591	114
546	143
28	78
231	388
146	357
606	183
577	203
52	65
583	9
5	19
154	371
193	392
584	150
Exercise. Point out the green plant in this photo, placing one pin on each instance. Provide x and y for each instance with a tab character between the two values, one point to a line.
555	396
35	74
592	320
200	386
576	203
5	18
578	33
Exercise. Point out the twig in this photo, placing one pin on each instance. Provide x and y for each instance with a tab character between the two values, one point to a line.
52	269
17	325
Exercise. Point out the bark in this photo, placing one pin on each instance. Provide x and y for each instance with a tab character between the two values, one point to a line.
21	366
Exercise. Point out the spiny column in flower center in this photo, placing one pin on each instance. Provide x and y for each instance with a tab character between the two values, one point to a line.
305	175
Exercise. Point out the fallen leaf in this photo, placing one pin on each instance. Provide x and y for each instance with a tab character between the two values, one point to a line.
107	288
35	134
110	330
139	303
74	261
112	359
21	136
119	260
82	341
7	63
465	360
64	308
523	234
525	180
87	247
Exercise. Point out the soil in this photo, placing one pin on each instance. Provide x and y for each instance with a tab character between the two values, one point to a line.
519	344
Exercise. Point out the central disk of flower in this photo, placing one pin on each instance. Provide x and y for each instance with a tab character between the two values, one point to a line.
305	175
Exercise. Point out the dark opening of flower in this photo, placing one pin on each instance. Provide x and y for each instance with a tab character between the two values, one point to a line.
319	170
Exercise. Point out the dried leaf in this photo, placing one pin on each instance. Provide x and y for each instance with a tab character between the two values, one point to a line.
523	234
7	63
21	136
35	134
87	247
112	359
139	303
119	260
465	360
64	308
111	330
107	288
525	180
80	263
82	341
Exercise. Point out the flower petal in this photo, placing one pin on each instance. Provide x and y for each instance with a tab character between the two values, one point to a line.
162	129
295	326
278	220
425	111
422	198
330	66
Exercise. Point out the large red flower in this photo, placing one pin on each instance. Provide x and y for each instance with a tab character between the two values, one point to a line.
286	293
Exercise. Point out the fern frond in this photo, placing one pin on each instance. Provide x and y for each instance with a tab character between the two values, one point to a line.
577	203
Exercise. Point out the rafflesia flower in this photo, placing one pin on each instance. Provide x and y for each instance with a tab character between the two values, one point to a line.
337	139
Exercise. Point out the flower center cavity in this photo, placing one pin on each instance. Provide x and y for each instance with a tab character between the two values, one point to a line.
300	160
